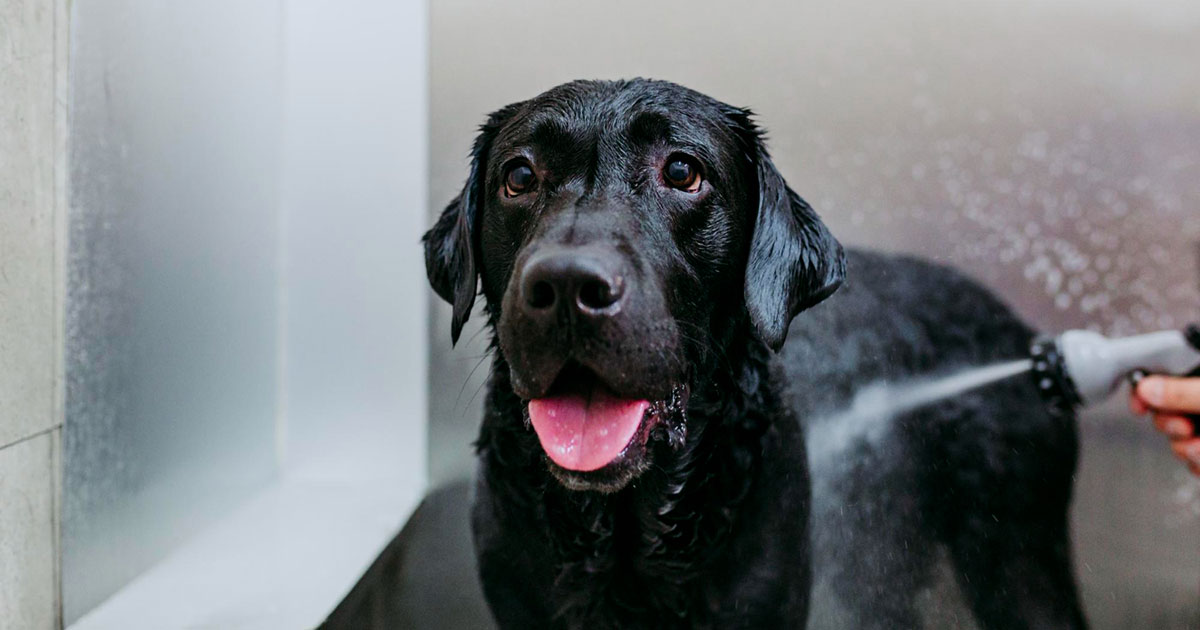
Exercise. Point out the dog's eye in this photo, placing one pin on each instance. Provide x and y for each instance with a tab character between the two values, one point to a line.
519	180
682	173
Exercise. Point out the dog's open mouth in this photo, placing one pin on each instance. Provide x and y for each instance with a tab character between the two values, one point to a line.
583	426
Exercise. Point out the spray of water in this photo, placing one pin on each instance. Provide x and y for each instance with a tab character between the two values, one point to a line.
869	415
907	397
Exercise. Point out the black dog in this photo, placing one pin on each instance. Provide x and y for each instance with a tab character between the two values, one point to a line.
643	459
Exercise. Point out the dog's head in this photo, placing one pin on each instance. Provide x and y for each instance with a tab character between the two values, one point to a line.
621	231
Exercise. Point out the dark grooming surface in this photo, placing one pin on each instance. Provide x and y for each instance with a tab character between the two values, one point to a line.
424	579
596	250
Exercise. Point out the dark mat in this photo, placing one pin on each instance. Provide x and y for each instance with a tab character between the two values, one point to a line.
425	578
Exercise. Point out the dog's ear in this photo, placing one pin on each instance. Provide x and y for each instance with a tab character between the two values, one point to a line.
451	245
794	261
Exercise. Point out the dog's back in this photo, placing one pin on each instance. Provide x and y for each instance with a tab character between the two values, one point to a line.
976	486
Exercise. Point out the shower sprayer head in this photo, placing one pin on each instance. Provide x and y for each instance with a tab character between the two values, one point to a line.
1051	375
1080	367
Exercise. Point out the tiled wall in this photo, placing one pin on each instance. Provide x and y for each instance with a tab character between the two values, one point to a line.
33	63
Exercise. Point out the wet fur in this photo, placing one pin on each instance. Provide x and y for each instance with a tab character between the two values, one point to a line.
982	481
715	534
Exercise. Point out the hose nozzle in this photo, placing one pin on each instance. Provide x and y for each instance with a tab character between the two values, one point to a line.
1080	367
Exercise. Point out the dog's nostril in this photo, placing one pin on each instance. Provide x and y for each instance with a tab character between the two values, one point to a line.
597	294
541	295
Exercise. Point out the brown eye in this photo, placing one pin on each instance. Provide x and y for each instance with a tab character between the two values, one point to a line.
519	180
682	173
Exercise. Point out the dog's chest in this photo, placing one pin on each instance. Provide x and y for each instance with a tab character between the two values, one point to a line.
653	565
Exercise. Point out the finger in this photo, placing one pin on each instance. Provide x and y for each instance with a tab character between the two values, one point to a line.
1187	450
1195	468
1175	394
1137	405
1174	426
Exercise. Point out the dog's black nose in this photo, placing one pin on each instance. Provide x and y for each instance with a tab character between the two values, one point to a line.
587	283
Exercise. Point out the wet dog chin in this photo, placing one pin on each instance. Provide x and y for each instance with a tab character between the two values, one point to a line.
611	478
596	439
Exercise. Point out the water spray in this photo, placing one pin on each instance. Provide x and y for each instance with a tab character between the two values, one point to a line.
1075	369
1080	368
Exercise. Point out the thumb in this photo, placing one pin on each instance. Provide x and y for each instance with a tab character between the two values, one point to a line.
1171	393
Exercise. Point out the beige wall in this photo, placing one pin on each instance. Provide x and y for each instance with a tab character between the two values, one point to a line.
33	55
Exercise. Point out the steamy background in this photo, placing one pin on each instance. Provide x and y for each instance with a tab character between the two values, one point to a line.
1049	149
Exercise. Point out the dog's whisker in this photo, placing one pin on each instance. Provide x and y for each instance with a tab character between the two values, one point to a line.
482	359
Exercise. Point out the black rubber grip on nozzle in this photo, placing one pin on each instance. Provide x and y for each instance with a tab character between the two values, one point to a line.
1051	378
1192	333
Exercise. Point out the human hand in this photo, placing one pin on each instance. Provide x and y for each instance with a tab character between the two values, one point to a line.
1172	400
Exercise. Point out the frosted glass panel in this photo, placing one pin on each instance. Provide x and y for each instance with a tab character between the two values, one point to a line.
246	293
171	296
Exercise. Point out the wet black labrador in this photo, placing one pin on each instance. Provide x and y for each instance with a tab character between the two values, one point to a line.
643	457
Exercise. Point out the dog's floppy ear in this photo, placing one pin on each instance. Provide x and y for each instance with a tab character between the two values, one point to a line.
451	245
794	261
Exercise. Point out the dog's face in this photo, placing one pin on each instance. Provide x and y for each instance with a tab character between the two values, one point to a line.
620	231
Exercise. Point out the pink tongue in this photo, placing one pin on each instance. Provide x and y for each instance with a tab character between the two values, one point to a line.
582	434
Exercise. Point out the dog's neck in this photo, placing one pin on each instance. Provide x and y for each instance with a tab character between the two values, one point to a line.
652	544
